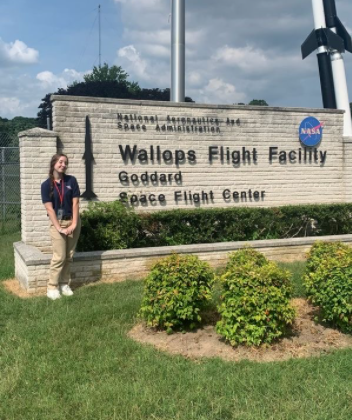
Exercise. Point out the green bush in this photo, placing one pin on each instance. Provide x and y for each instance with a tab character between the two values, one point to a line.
328	282
109	226
175	291
175	227
244	256
102	228
255	306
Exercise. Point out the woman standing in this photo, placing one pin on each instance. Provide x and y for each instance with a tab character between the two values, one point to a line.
60	196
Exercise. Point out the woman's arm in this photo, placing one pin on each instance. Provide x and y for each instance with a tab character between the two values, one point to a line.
75	214
53	218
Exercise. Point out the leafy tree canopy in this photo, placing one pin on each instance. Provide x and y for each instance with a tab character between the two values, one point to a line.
104	82
110	74
106	74
17	124
258	102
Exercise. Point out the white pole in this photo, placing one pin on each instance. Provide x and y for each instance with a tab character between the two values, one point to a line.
178	48
318	14
338	71
99	39
341	90
319	20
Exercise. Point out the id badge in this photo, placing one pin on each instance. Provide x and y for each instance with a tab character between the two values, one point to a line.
60	214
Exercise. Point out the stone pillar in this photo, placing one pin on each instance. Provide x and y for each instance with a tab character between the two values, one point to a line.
37	146
347	161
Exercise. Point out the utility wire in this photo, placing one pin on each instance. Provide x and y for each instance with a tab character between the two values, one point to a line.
109	29
97	59
63	27
87	39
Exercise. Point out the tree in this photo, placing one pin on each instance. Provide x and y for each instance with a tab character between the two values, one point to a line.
258	102
17	124
105	73
3	124
9	129
45	111
111	74
104	82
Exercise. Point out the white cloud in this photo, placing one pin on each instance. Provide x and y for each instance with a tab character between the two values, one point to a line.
9	104
195	37
13	106
156	37
194	78
145	15
141	3
49	79
131	56
22	93
14	53
245	58
157	51
218	91
255	60
234	52
53	81
256	50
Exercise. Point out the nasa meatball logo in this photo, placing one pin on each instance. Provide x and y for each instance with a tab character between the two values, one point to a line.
311	132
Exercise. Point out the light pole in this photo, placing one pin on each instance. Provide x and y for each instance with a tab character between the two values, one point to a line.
178	47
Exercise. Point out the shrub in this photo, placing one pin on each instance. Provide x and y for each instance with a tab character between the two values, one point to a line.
109	226
328	282
255	306
183	227
175	291
244	256
175	227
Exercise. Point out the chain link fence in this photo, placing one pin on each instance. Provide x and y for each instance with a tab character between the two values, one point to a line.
10	194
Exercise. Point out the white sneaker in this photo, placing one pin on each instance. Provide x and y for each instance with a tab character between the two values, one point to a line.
66	290
53	294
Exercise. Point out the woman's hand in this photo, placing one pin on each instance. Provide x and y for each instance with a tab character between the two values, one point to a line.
67	231
64	231
71	228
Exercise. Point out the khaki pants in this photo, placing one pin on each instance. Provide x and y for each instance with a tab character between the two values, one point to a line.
63	250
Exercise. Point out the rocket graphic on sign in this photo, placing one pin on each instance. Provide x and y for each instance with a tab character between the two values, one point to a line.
89	160
330	38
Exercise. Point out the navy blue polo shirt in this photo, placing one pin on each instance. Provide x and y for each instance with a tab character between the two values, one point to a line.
71	191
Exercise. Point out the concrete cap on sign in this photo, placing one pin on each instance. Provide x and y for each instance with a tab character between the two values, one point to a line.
166	104
37	132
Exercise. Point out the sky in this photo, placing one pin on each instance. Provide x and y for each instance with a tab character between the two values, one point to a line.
236	50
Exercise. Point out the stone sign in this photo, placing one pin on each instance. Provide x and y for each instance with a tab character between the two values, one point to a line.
162	155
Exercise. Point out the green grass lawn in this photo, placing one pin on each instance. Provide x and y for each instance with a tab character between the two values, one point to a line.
72	359
297	270
6	255
10	214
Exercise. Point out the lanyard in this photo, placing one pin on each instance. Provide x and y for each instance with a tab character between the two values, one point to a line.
61	195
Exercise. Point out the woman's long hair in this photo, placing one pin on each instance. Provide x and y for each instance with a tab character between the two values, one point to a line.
53	162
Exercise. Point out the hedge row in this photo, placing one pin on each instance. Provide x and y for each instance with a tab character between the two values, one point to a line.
114	226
